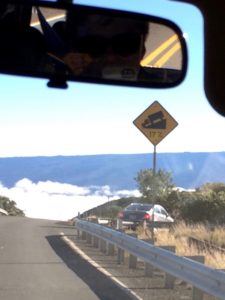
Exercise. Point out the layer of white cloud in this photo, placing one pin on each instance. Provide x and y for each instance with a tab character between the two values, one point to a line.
59	201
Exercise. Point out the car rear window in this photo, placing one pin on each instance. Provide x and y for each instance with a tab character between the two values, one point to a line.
139	207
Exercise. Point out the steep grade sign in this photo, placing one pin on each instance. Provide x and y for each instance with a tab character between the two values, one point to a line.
155	123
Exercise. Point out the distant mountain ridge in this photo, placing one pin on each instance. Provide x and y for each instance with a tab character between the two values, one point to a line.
189	169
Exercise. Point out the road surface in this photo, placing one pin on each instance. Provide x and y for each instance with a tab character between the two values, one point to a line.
36	264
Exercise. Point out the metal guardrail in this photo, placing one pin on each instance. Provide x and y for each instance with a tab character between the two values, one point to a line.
205	278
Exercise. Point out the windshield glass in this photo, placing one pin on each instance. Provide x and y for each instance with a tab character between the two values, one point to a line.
90	120
78	154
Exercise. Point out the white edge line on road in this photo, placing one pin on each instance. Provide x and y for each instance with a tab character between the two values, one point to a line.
100	268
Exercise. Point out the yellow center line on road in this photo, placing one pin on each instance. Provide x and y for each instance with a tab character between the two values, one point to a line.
159	63
149	58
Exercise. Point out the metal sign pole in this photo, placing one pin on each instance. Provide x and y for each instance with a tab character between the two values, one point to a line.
153	200
155	123
154	161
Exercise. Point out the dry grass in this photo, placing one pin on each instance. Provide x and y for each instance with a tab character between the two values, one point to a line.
179	238
215	235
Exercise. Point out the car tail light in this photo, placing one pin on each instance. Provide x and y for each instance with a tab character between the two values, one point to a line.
120	215
147	217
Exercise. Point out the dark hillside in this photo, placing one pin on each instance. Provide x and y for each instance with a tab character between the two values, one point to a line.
189	170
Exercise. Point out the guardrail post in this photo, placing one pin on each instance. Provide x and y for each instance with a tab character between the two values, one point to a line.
169	279
78	234
96	242
132	258
132	261
121	252
89	238
119	224
111	249
120	256
196	293
83	235
148	266
103	246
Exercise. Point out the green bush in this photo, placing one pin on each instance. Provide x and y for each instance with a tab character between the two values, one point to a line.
205	207
10	207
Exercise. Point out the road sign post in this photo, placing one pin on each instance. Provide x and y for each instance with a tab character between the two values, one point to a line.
154	161
155	123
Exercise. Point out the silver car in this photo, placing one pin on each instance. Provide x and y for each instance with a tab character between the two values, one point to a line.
136	213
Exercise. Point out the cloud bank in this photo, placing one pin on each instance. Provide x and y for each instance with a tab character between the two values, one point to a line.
59	201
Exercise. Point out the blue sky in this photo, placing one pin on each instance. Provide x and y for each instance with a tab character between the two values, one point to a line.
96	119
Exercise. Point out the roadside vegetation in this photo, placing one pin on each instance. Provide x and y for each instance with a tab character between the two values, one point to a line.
199	213
10	207
179	238
204	205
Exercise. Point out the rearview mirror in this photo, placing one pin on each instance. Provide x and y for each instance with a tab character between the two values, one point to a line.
69	42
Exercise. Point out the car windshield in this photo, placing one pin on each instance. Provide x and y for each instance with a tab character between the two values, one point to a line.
84	153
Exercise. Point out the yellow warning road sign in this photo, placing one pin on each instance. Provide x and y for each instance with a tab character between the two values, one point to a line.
155	123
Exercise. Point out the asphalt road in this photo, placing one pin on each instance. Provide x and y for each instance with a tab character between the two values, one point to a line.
35	263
